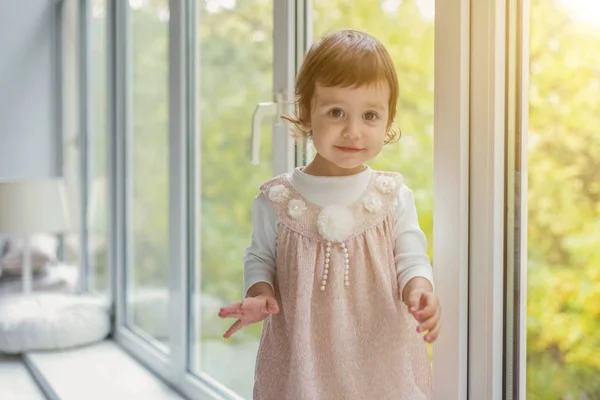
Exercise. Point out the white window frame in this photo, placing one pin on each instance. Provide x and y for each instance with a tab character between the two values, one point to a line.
451	183
486	253
120	43
120	173
84	22
499	78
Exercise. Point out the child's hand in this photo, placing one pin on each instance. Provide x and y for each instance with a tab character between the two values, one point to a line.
249	311
425	307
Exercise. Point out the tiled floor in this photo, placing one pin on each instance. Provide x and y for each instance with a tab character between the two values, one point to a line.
15	381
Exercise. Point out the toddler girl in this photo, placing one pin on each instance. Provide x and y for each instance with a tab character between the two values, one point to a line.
337	267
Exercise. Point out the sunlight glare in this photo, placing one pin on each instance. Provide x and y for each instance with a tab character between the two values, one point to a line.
587	11
427	9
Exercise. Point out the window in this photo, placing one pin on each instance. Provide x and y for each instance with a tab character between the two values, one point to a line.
240	71
70	120
97	220
147	172
84	124
516	214
235	73
534	139
563	230
187	79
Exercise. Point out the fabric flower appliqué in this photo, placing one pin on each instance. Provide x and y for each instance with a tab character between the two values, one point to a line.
385	184
296	208
278	193
335	223
372	202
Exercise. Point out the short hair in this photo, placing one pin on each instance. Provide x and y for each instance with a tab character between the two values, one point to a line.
347	58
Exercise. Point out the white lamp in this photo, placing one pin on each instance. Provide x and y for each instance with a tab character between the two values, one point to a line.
29	207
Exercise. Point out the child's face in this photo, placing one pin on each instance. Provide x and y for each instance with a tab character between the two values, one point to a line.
349	123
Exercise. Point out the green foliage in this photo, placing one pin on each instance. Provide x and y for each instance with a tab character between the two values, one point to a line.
564	207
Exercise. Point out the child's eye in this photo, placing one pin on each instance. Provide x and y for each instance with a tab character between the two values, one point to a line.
336	113
371	116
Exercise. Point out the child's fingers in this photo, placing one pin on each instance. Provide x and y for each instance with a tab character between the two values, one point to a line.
426	313
232	314
429	324
413	301
430	307
272	307
264	308
433	334
237	325
235	307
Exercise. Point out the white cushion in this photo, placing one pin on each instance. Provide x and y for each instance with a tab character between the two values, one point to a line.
51	321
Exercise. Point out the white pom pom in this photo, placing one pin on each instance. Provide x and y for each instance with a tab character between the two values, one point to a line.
336	223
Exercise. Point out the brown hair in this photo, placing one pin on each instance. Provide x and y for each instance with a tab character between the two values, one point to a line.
347	58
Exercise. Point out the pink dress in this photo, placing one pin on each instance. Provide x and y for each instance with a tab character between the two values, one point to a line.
342	332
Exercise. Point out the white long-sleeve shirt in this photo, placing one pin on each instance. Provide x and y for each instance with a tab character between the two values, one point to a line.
410	251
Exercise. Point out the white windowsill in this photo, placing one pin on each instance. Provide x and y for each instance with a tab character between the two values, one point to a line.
15	380
100	371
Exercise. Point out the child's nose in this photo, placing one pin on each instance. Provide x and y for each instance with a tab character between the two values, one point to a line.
352	128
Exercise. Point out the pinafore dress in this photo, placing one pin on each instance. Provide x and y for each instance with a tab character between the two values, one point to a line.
342	332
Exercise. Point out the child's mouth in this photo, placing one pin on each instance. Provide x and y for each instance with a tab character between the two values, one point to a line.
348	149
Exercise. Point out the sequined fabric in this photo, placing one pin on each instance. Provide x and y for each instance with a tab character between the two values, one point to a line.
352	342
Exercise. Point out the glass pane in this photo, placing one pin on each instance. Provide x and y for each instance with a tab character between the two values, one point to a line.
98	207
235	73
70	249
148	163
406	28
563	308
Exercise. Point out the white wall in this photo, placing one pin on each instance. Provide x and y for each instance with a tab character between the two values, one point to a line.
30	144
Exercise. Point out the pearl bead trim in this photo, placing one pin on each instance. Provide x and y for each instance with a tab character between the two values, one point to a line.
325	275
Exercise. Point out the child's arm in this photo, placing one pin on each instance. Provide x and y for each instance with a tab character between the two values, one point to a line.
259	271
410	246
415	276
259	258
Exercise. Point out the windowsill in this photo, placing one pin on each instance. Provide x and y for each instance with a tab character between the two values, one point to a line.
100	371
16	382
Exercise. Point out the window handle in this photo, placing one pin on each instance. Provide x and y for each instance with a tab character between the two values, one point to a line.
262	111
